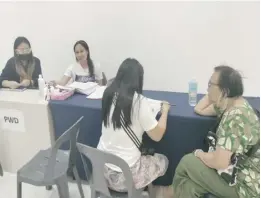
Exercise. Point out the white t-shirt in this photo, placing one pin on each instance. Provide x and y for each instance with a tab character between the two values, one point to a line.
79	74
118	142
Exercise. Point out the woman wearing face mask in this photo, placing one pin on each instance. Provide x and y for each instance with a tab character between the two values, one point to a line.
83	70
23	69
237	132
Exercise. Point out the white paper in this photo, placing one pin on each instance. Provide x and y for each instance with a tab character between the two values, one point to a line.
84	88
63	87
12	120
98	93
155	106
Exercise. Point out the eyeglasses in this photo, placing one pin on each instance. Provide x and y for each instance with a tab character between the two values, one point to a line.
211	83
23	51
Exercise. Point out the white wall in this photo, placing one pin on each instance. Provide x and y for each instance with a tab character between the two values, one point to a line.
175	41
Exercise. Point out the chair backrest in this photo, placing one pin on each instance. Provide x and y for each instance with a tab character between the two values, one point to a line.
110	81
104	79
71	135
98	160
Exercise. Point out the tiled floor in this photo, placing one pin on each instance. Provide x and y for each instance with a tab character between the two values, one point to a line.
8	189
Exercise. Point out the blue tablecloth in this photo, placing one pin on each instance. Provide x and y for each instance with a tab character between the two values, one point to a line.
185	130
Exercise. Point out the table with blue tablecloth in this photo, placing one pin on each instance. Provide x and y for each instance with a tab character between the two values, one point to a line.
185	130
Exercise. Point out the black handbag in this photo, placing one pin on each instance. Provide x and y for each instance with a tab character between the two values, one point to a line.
141	146
211	138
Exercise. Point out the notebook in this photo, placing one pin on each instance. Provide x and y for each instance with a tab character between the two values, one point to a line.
98	93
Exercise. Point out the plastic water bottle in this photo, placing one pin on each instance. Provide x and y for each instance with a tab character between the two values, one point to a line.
193	92
41	85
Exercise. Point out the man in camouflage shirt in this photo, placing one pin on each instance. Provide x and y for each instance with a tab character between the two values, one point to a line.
238	130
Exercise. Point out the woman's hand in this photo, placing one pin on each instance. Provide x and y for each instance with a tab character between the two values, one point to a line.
52	83
13	84
25	83
165	106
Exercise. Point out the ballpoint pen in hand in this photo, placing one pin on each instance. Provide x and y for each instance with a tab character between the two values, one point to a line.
169	104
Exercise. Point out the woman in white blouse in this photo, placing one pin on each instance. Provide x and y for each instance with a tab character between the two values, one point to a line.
123	98
83	70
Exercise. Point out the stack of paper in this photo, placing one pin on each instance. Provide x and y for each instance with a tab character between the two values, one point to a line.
64	88
84	88
98	93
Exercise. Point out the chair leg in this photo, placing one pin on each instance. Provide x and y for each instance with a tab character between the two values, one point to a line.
63	189
19	189
93	193
78	181
70	173
151	191
1	170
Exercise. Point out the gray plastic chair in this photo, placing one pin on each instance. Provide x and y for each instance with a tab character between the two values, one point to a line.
49	167
104	79
110	81
98	182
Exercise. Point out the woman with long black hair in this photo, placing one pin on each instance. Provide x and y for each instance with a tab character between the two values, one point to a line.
124	106
23	69
83	70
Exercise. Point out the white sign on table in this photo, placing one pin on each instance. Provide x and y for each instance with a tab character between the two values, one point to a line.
12	120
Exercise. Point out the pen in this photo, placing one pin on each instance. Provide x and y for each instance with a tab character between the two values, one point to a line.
171	104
